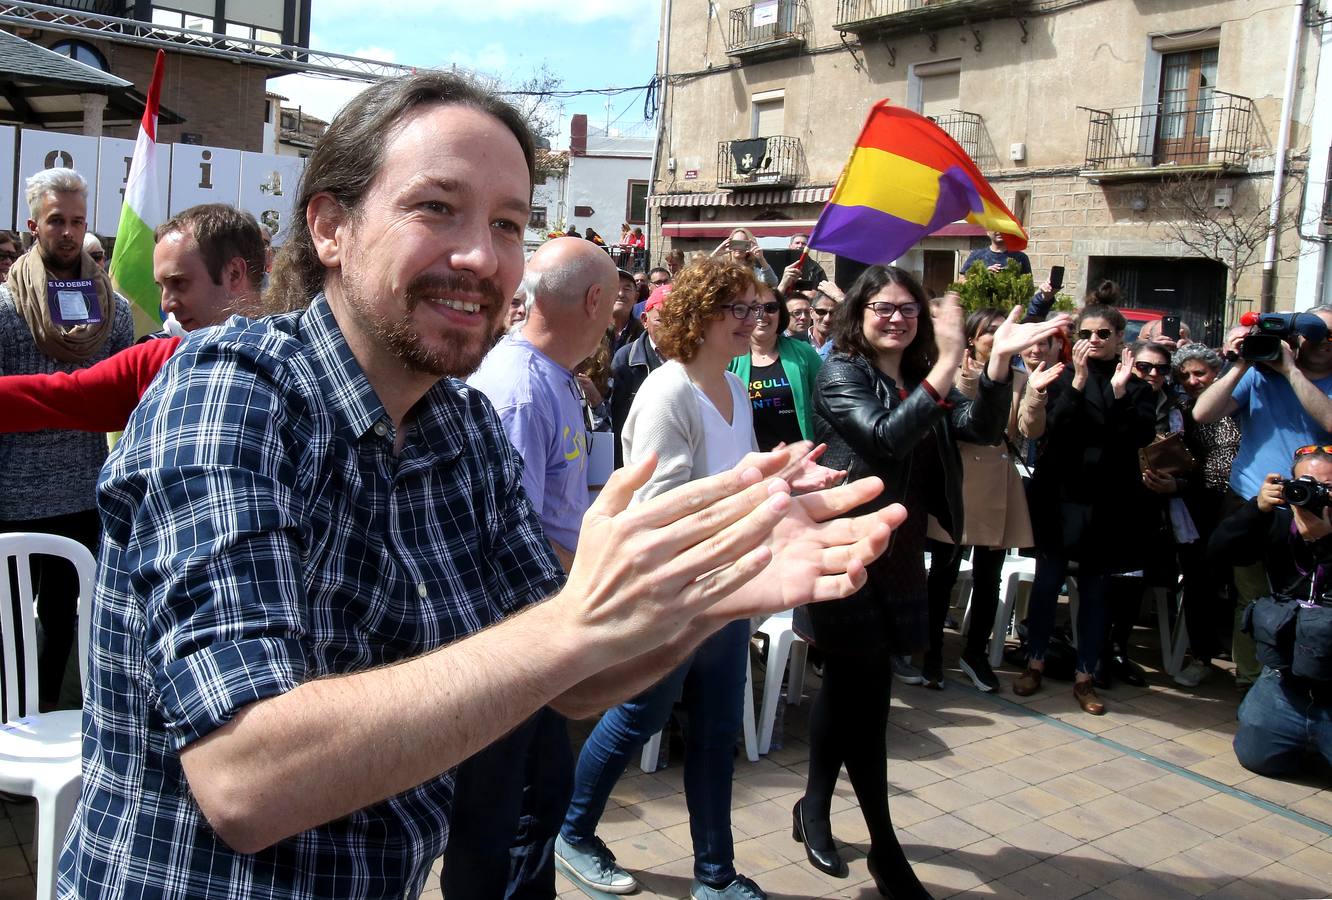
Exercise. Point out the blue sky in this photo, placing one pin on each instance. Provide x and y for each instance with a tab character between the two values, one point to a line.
587	43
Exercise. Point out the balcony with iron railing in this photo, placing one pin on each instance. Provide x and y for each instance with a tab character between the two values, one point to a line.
868	16
122	8
1211	134
765	162
767	28
968	129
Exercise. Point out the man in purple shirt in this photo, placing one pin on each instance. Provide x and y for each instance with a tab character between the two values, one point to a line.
514	793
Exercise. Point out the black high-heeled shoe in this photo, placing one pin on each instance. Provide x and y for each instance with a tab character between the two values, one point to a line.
914	891
829	861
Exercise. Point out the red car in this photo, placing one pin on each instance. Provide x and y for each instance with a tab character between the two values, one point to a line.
1137	318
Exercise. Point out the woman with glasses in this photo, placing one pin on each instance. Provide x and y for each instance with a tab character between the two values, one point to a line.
1097	418
9	252
994	507
779	372
1155	512
886	405
695	416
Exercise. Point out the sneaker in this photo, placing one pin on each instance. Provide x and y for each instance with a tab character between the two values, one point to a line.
1194	674
905	672
592	863
740	889
977	668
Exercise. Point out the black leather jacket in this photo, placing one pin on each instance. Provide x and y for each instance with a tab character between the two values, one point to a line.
871	430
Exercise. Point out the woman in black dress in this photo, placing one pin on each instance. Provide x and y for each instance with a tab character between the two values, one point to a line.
886	405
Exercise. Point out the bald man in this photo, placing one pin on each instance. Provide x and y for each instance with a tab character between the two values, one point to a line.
514	793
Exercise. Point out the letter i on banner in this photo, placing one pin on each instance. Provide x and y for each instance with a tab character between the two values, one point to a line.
143	210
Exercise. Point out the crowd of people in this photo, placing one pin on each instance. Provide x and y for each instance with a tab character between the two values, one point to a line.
359	559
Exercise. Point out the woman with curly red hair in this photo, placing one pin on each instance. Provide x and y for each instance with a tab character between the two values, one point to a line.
696	417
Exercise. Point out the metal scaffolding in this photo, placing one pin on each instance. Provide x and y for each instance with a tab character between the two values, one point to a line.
202	43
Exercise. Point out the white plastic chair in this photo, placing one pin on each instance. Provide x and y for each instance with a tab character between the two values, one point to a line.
785	648
40	753
1017	570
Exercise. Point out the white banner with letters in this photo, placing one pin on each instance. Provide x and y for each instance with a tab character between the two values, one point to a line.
268	185
112	170
51	150
203	175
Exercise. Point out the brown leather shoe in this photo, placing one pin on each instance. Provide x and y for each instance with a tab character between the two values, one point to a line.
1085	693
1028	683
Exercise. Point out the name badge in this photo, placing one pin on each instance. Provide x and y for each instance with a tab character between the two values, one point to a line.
73	302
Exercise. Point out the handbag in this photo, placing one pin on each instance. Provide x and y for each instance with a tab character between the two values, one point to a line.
1167	455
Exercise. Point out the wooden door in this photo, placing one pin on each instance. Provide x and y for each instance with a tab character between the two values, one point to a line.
1184	119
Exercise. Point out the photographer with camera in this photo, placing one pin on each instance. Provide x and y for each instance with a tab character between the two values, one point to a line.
1279	392
1287	527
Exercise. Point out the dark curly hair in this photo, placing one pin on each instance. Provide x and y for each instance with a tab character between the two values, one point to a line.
848	321
698	296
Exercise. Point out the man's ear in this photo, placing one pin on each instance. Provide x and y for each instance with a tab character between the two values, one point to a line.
326	218
32	227
235	276
592	300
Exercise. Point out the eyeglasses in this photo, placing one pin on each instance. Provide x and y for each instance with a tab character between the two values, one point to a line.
884	310
1147	368
11	257
743	311
98	256
800	314
820	312
1103	333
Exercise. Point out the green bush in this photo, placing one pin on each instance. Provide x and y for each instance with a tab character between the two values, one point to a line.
1003	289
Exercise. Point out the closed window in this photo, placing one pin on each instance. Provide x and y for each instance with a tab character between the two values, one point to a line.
636	207
935	87
538	220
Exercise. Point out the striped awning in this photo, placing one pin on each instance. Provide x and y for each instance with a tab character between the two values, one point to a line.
745	198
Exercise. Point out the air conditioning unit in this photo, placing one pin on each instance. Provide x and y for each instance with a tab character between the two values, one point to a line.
1223	197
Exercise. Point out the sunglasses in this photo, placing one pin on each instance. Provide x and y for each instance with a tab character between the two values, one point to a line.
1324	449
884	310
1103	333
1147	368
820	312
98	256
11	257
743	311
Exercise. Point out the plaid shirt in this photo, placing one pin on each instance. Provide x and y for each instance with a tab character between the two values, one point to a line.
261	533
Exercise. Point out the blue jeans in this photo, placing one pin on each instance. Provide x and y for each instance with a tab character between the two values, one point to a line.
713	683
1280	724
1092	590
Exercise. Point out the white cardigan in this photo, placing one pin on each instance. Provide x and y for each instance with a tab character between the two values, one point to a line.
666	419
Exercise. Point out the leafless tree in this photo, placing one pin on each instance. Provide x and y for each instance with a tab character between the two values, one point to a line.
1234	233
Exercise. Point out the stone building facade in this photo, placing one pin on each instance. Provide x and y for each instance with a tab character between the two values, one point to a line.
1081	115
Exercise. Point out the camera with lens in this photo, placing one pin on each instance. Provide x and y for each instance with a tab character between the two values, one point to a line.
1270	329
1306	492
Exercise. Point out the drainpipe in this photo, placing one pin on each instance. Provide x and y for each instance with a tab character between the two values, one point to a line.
662	70
1268	298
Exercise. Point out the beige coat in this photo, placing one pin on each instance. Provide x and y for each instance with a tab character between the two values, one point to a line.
994	505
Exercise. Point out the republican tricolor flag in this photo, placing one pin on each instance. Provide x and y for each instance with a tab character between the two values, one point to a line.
905	180
144	210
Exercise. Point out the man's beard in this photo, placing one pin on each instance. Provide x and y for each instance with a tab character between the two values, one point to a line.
52	263
457	358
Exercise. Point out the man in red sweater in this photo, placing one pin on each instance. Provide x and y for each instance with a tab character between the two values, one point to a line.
209	262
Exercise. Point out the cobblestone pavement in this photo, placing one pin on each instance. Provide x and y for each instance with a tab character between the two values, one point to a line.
994	796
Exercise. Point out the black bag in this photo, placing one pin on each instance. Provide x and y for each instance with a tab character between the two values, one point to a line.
1291	636
1313	643
1271	621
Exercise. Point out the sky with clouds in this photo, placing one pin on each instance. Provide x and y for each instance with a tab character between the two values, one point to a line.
584	43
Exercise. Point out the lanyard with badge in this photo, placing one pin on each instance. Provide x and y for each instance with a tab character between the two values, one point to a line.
73	303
